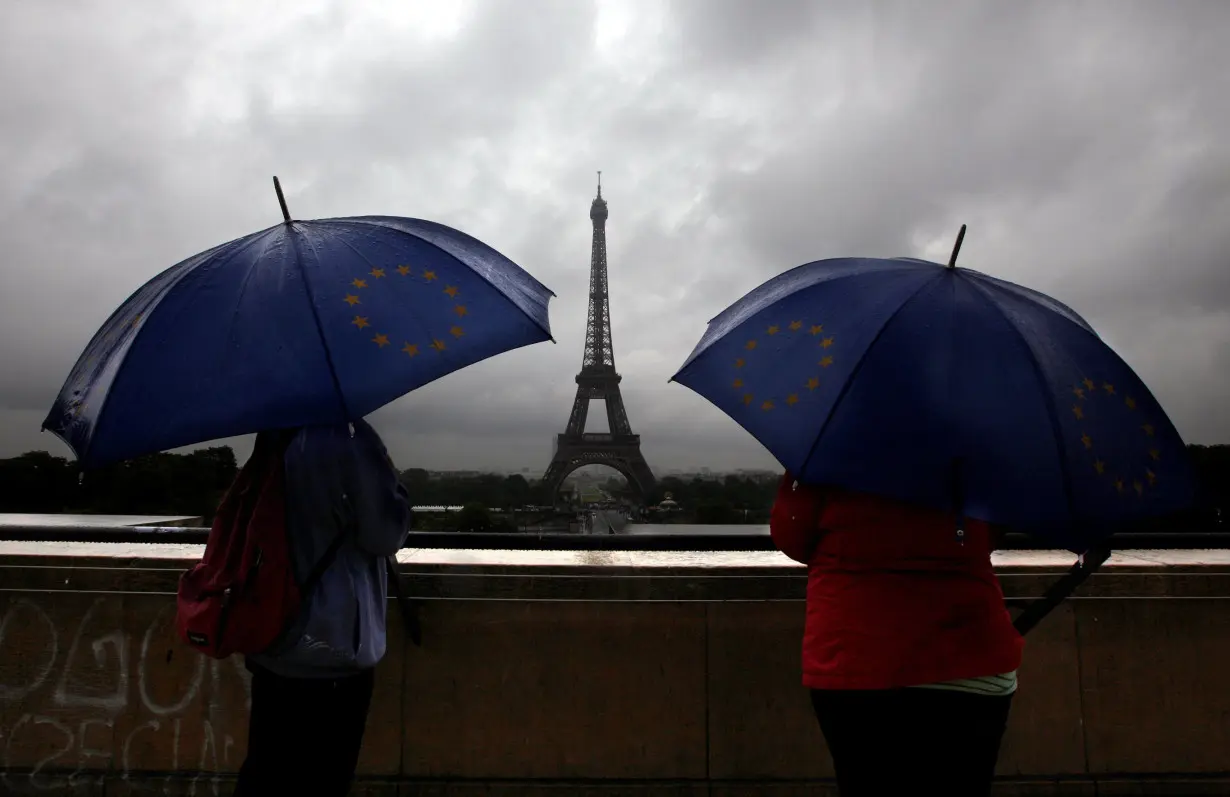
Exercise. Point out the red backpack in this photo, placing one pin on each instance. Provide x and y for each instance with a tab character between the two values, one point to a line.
243	594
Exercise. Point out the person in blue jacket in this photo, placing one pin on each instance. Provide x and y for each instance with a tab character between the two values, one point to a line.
311	691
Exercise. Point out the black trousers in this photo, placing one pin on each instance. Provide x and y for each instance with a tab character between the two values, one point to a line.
912	741
304	734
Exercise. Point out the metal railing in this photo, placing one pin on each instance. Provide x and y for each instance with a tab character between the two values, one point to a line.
522	541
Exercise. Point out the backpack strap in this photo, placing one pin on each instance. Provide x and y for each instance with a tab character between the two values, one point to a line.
289	634
409	613
1058	592
322	564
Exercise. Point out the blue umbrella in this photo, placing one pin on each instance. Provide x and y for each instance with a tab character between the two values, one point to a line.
307	322
947	388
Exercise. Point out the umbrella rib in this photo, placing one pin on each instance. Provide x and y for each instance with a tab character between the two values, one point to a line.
115	316
119	369
1036	365
75	374
1059	308
311	296
247	277
858	366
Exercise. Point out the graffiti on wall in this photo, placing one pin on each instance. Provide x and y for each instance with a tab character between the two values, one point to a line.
95	686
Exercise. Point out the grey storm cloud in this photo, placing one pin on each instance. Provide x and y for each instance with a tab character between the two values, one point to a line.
1086	145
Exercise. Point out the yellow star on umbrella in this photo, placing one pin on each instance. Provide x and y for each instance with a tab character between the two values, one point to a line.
1091	402
812	383
381	340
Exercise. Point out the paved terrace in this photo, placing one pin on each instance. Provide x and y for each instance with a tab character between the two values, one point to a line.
597	673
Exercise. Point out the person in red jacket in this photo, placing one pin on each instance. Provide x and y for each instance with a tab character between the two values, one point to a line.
908	649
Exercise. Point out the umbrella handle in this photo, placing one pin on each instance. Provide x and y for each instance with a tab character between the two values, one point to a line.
1084	567
407	607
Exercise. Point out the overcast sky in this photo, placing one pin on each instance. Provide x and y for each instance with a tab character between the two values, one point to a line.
1087	145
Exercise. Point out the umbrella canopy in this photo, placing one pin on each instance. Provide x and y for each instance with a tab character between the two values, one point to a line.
944	387
307	322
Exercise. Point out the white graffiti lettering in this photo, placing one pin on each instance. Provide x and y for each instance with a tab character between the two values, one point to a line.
194	684
127	706
117	699
8	691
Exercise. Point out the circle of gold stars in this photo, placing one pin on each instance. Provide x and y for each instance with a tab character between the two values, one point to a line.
823	342
354	298
1126	481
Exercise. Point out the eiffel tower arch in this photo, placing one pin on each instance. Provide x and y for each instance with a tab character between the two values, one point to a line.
619	448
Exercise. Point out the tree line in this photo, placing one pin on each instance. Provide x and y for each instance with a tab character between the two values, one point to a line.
193	484
157	484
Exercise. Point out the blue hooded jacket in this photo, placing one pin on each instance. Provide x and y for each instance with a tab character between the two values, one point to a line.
338	484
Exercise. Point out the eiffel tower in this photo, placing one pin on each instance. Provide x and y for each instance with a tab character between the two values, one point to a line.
618	449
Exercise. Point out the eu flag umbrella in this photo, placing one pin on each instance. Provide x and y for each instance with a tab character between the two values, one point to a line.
307	322
944	387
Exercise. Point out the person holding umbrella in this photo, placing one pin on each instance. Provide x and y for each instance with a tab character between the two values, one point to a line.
919	410
897	599
346	513
296	333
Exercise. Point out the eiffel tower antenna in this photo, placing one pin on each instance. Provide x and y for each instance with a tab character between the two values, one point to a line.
620	448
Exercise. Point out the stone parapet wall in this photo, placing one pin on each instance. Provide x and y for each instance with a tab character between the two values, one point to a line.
583	673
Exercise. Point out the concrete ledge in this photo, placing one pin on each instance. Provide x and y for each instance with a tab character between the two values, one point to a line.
614	576
100	783
597	673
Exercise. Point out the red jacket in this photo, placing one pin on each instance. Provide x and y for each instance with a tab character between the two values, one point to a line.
894	599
